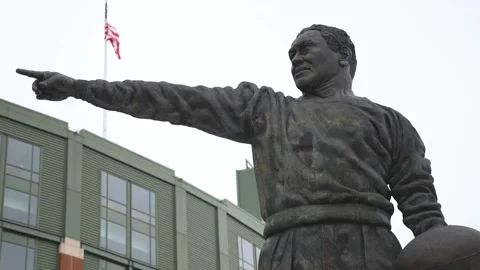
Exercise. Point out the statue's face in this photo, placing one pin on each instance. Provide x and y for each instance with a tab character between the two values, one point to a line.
313	62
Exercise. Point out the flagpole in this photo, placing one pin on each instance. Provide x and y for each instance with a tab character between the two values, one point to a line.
105	73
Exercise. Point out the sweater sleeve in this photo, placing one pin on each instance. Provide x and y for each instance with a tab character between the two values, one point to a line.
222	111
411	181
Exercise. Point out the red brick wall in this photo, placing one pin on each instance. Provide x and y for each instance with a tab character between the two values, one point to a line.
68	262
70	255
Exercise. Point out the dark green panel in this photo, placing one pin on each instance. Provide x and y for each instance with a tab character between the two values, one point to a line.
202	236
90	221
90	262
247	194
93	163
235	229
47	255
33	118
130	158
53	162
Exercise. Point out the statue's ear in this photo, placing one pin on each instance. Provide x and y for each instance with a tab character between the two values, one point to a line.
346	55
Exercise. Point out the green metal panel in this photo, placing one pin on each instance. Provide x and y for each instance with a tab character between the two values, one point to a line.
202	236
90	221
52	173
235	229
90	261
99	253
93	163
47	255
33	118
246	218
128	157
247	194
198	192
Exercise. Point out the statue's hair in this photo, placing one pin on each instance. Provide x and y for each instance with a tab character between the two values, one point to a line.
336	39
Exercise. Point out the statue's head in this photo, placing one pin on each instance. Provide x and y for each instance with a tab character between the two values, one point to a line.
318	54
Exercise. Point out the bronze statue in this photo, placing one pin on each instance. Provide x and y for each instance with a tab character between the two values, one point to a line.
442	248
326	164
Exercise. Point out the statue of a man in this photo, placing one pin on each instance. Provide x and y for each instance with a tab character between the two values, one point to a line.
326	163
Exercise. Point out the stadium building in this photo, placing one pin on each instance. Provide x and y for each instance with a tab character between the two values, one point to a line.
73	200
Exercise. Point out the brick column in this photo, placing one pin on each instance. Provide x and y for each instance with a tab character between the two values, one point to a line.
70	255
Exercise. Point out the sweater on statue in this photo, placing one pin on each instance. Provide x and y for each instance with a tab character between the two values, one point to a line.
317	160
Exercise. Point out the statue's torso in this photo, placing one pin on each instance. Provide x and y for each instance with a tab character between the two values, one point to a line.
315	151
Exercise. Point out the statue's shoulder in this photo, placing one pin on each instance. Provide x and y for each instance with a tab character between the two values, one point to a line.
391	114
389	110
399	120
366	102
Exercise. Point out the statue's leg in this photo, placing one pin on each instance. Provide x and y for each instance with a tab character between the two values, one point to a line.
330	247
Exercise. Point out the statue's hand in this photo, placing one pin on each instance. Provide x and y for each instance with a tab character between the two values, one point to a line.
50	85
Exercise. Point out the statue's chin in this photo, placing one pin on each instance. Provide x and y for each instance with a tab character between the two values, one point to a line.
302	85
306	90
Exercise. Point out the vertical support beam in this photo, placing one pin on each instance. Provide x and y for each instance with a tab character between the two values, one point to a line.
181	228
71	253
223	238
73	196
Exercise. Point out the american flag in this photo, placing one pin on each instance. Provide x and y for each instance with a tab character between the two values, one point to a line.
111	34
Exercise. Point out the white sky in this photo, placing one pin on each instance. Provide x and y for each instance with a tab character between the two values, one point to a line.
418	57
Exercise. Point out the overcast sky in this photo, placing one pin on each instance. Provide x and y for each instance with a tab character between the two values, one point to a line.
418	57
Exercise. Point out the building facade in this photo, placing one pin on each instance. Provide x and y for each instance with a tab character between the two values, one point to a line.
247	192
72	200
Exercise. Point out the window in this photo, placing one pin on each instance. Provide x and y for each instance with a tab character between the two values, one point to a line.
113	222
248	255
21	182
143	225
17	252
106	265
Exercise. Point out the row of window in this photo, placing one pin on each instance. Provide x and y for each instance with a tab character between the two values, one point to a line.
248	255
18	252
20	203
119	212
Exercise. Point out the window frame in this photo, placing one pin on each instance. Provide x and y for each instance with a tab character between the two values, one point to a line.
104	264
130	219
106	206
152	237
255	253
29	244
33	186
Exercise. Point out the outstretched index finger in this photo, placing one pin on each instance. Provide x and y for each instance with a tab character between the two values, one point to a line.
31	73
